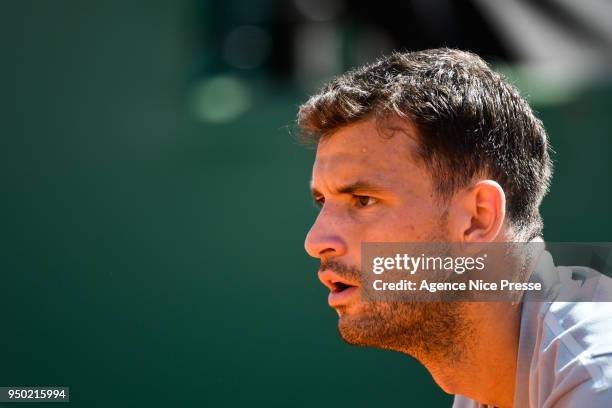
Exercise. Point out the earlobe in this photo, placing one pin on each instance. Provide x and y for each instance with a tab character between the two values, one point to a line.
484	206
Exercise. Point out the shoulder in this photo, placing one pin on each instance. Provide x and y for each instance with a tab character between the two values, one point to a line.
572	360
577	330
464	402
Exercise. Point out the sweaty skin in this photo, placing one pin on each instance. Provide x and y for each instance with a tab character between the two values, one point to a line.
372	188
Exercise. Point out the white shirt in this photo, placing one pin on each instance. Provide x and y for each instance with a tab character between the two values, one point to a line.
565	348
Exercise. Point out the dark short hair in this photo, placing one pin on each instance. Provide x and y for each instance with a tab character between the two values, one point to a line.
470	122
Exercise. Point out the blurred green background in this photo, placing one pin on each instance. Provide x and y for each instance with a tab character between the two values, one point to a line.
155	202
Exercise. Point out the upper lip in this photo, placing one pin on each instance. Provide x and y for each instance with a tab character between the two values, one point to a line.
333	281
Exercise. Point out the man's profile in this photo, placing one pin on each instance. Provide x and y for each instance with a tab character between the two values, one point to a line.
433	146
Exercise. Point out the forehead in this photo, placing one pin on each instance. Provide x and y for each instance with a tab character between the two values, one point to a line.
385	152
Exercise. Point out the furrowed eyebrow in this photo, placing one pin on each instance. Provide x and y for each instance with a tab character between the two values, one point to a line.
357	186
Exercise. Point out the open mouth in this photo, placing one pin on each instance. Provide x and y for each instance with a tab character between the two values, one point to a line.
337	286
341	291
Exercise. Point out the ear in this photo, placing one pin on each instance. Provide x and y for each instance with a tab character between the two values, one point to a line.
479	213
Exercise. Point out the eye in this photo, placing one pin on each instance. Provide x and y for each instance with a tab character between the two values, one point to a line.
319	201
364	201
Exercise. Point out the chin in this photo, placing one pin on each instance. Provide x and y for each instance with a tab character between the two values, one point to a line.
365	329
353	332
410	328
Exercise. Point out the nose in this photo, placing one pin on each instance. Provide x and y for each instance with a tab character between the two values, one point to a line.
324	240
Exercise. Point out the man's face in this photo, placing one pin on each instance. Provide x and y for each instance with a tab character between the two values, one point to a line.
372	189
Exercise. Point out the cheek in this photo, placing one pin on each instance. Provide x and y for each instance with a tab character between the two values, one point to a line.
405	224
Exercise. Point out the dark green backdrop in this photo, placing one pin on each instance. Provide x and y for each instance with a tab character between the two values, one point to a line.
148	260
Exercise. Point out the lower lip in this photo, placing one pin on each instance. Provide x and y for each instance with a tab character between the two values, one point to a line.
341	298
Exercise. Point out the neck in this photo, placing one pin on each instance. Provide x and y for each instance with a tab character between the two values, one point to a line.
487	368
